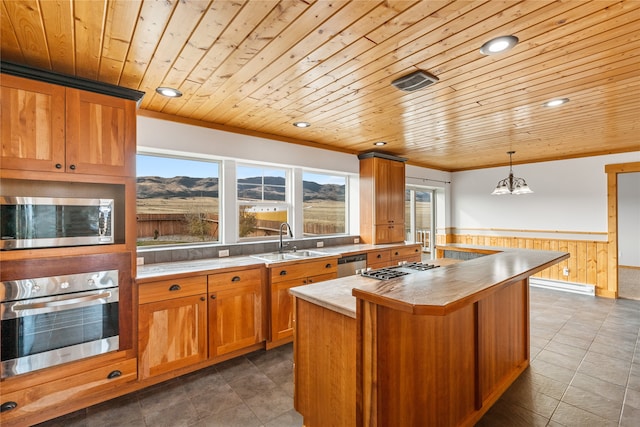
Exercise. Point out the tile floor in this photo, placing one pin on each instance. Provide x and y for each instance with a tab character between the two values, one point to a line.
585	371
629	282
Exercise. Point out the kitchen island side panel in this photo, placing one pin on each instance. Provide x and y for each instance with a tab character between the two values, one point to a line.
431	370
324	366
419	370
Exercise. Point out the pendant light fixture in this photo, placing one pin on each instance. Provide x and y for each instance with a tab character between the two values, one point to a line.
512	184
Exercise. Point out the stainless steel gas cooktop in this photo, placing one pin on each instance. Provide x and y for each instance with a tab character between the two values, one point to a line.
397	270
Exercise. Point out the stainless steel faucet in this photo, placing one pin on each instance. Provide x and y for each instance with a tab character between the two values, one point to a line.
281	246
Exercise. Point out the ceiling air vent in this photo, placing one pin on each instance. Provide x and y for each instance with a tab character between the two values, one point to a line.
414	81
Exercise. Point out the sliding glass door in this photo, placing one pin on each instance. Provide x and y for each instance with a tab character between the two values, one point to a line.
420	218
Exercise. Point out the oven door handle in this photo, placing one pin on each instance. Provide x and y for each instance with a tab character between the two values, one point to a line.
61	302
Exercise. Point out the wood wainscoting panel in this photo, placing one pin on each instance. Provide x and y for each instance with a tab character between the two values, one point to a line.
587	264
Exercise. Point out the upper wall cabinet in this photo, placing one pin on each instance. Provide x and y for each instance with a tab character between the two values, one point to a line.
50	128
382	188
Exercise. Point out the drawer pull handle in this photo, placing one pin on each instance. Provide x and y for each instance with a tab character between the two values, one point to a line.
397	253
72	167
213	296
174	288
283	273
379	256
235	279
328	265
114	374
7	406
203	299
58	166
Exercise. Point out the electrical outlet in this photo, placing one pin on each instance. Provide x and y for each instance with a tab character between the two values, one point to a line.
356	240
565	271
140	260
320	244
223	253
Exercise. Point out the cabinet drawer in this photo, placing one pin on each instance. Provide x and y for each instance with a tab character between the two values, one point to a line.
322	278
73	388
306	269
378	257
234	278
405	252
169	289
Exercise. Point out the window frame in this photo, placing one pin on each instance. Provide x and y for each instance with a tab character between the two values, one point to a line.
347	199
193	158
287	205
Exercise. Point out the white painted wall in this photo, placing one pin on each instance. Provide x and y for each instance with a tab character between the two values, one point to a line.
569	196
629	219
171	137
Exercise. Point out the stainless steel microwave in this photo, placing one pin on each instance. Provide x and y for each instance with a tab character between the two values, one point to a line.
40	222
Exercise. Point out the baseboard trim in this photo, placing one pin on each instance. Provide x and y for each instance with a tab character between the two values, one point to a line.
576	288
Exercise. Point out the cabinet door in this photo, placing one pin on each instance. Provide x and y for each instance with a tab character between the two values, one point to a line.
235	311
101	134
389	195
32	117
282	308
389	233
172	334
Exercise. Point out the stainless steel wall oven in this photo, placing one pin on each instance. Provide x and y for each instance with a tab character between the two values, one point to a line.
46	321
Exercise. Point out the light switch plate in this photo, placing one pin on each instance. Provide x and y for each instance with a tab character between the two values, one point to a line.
319	244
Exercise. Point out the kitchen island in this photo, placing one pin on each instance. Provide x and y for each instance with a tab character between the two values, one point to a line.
435	347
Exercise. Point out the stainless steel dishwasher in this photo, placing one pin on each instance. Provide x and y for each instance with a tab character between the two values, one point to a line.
348	265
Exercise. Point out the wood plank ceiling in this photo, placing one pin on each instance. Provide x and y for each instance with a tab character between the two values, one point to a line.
261	65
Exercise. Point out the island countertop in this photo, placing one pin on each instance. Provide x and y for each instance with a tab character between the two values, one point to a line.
437	291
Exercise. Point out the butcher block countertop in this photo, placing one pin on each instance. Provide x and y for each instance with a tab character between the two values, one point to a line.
438	291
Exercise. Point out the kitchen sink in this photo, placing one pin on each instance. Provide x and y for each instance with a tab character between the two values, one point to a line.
288	256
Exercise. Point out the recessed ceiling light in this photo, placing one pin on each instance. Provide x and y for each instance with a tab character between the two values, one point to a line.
302	124
169	92
556	102
498	45
380	143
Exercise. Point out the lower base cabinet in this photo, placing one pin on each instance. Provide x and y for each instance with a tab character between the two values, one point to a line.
390	257
74	387
235	311
172	334
286	277
191	320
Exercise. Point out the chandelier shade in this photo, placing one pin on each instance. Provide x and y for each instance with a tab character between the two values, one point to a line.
511	184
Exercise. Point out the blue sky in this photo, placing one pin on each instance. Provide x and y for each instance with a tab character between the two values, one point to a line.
168	167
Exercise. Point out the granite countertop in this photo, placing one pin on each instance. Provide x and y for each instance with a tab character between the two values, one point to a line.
150	272
437	291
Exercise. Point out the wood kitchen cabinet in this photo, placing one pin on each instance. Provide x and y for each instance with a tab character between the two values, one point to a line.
52	128
388	257
69	137
172	325
235	311
285	277
382	193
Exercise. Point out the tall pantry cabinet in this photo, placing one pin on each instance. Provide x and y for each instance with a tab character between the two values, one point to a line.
65	137
382	193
